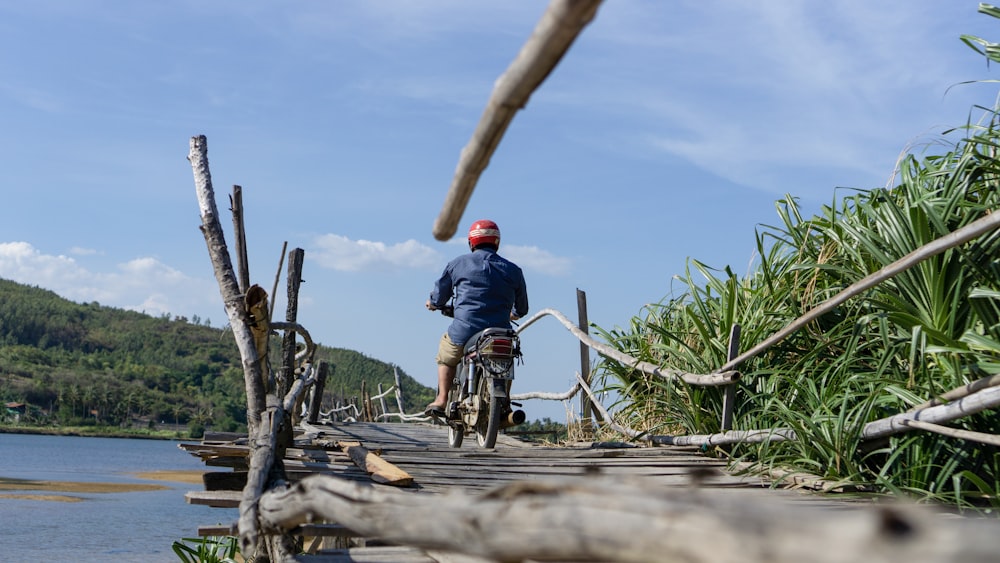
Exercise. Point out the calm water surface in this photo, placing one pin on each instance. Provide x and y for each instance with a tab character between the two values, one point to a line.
132	526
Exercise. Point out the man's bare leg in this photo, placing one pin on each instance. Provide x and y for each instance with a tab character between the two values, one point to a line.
445	376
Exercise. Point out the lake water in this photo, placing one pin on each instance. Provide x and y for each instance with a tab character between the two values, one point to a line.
127	526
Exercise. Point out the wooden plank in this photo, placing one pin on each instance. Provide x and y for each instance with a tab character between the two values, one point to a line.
370	555
381	471
215	450
217	530
325	530
315	465
422	452
223	437
215	499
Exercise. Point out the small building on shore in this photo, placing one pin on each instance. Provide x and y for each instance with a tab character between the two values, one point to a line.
16	410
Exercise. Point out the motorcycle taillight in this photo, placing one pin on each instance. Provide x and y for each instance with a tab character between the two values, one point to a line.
497	347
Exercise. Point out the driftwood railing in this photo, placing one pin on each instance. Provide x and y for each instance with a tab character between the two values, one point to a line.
562	22
980	395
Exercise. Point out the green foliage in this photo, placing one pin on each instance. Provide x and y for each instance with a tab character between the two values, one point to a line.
540	430
207	550
932	328
349	369
90	365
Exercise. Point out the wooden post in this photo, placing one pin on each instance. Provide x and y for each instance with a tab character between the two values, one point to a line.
364	415
586	422
369	409
399	390
239	318
381	399
239	230
294	279
730	394
286	375
317	395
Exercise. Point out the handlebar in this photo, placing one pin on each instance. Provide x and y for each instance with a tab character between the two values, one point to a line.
447	310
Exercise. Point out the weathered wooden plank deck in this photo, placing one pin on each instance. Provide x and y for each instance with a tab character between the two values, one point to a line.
422	451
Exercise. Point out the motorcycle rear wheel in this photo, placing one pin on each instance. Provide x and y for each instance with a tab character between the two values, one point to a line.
488	425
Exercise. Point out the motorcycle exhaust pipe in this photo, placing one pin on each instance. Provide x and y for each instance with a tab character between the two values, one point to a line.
515	418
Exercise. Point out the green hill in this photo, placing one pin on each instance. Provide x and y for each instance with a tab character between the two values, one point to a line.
65	363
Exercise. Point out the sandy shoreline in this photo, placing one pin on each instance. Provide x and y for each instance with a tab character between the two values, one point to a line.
40	490
190	476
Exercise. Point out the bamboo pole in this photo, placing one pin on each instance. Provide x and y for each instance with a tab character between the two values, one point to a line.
725	438
923	419
608	421
559	26
976	402
548	396
712	379
973	230
959	392
981	437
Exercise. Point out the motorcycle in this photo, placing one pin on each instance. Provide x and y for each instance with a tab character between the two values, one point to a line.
479	399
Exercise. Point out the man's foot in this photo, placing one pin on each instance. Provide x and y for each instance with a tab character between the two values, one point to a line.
434	410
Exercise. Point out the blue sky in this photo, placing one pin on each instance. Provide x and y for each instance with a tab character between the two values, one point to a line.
666	133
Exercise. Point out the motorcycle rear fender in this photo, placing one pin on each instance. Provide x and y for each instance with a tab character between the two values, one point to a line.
499	388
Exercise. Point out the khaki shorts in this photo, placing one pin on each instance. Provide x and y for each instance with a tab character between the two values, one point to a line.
449	354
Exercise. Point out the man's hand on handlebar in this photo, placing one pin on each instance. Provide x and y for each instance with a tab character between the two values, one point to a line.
447	310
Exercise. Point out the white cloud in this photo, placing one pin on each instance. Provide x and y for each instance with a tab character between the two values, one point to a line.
340	253
535	259
79	251
143	284
343	254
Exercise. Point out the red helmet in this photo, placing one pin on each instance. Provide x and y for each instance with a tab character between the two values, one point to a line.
484	231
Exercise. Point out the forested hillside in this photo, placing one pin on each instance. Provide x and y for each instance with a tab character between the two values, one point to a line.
73	364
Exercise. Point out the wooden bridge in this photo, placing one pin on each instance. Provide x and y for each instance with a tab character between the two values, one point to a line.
381	492
396	492
319	493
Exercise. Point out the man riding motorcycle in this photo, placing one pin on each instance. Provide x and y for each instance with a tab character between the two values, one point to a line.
489	292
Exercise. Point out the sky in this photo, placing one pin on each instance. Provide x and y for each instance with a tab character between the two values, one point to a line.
666	134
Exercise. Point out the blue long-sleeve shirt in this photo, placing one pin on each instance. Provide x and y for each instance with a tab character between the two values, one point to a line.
487	288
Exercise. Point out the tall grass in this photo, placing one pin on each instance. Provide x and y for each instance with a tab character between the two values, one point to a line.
932	328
